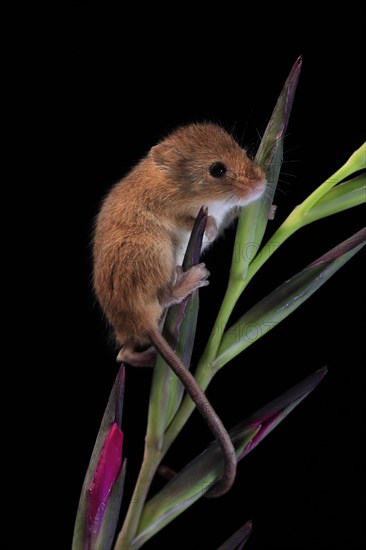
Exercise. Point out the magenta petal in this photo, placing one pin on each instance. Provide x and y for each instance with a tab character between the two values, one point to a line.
106	473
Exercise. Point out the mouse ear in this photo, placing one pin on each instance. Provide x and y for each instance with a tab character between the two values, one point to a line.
163	154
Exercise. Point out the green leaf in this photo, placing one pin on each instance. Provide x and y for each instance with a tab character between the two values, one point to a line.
238	540
341	197
112	414
179	330
254	218
355	163
186	488
197	477
275	307
308	211
187	314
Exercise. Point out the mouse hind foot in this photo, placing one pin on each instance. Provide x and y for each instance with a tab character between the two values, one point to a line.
145	358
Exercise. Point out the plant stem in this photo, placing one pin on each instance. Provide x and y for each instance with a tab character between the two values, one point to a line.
206	368
233	292
204	372
292	223
151	461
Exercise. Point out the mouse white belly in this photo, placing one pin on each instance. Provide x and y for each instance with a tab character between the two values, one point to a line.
219	211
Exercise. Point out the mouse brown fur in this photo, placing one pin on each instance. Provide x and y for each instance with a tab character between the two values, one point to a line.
145	221
141	235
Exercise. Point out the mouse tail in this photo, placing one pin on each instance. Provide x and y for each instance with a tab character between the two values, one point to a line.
205	408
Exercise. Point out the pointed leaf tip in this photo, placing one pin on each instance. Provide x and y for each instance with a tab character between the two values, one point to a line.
269	416
358	239
238	540
288	97
323	371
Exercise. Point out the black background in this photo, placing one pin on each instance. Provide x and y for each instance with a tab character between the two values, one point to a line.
110	89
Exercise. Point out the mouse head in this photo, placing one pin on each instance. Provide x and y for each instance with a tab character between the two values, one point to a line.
204	161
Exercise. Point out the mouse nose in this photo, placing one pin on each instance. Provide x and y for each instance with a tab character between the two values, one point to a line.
254	176
258	178
258	174
261	184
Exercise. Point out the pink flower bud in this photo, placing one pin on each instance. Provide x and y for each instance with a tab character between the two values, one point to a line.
106	473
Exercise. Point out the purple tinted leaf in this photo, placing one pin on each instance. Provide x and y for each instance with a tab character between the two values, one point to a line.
238	540
270	150
353	242
269	416
193	252
279	304
181	321
179	330
197	477
186	313
278	122
254	218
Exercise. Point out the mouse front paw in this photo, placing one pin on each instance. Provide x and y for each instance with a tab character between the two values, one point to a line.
186	283
195	277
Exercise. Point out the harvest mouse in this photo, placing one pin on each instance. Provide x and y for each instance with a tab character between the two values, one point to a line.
141	235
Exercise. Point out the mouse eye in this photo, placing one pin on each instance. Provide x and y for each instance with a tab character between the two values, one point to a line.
218	169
